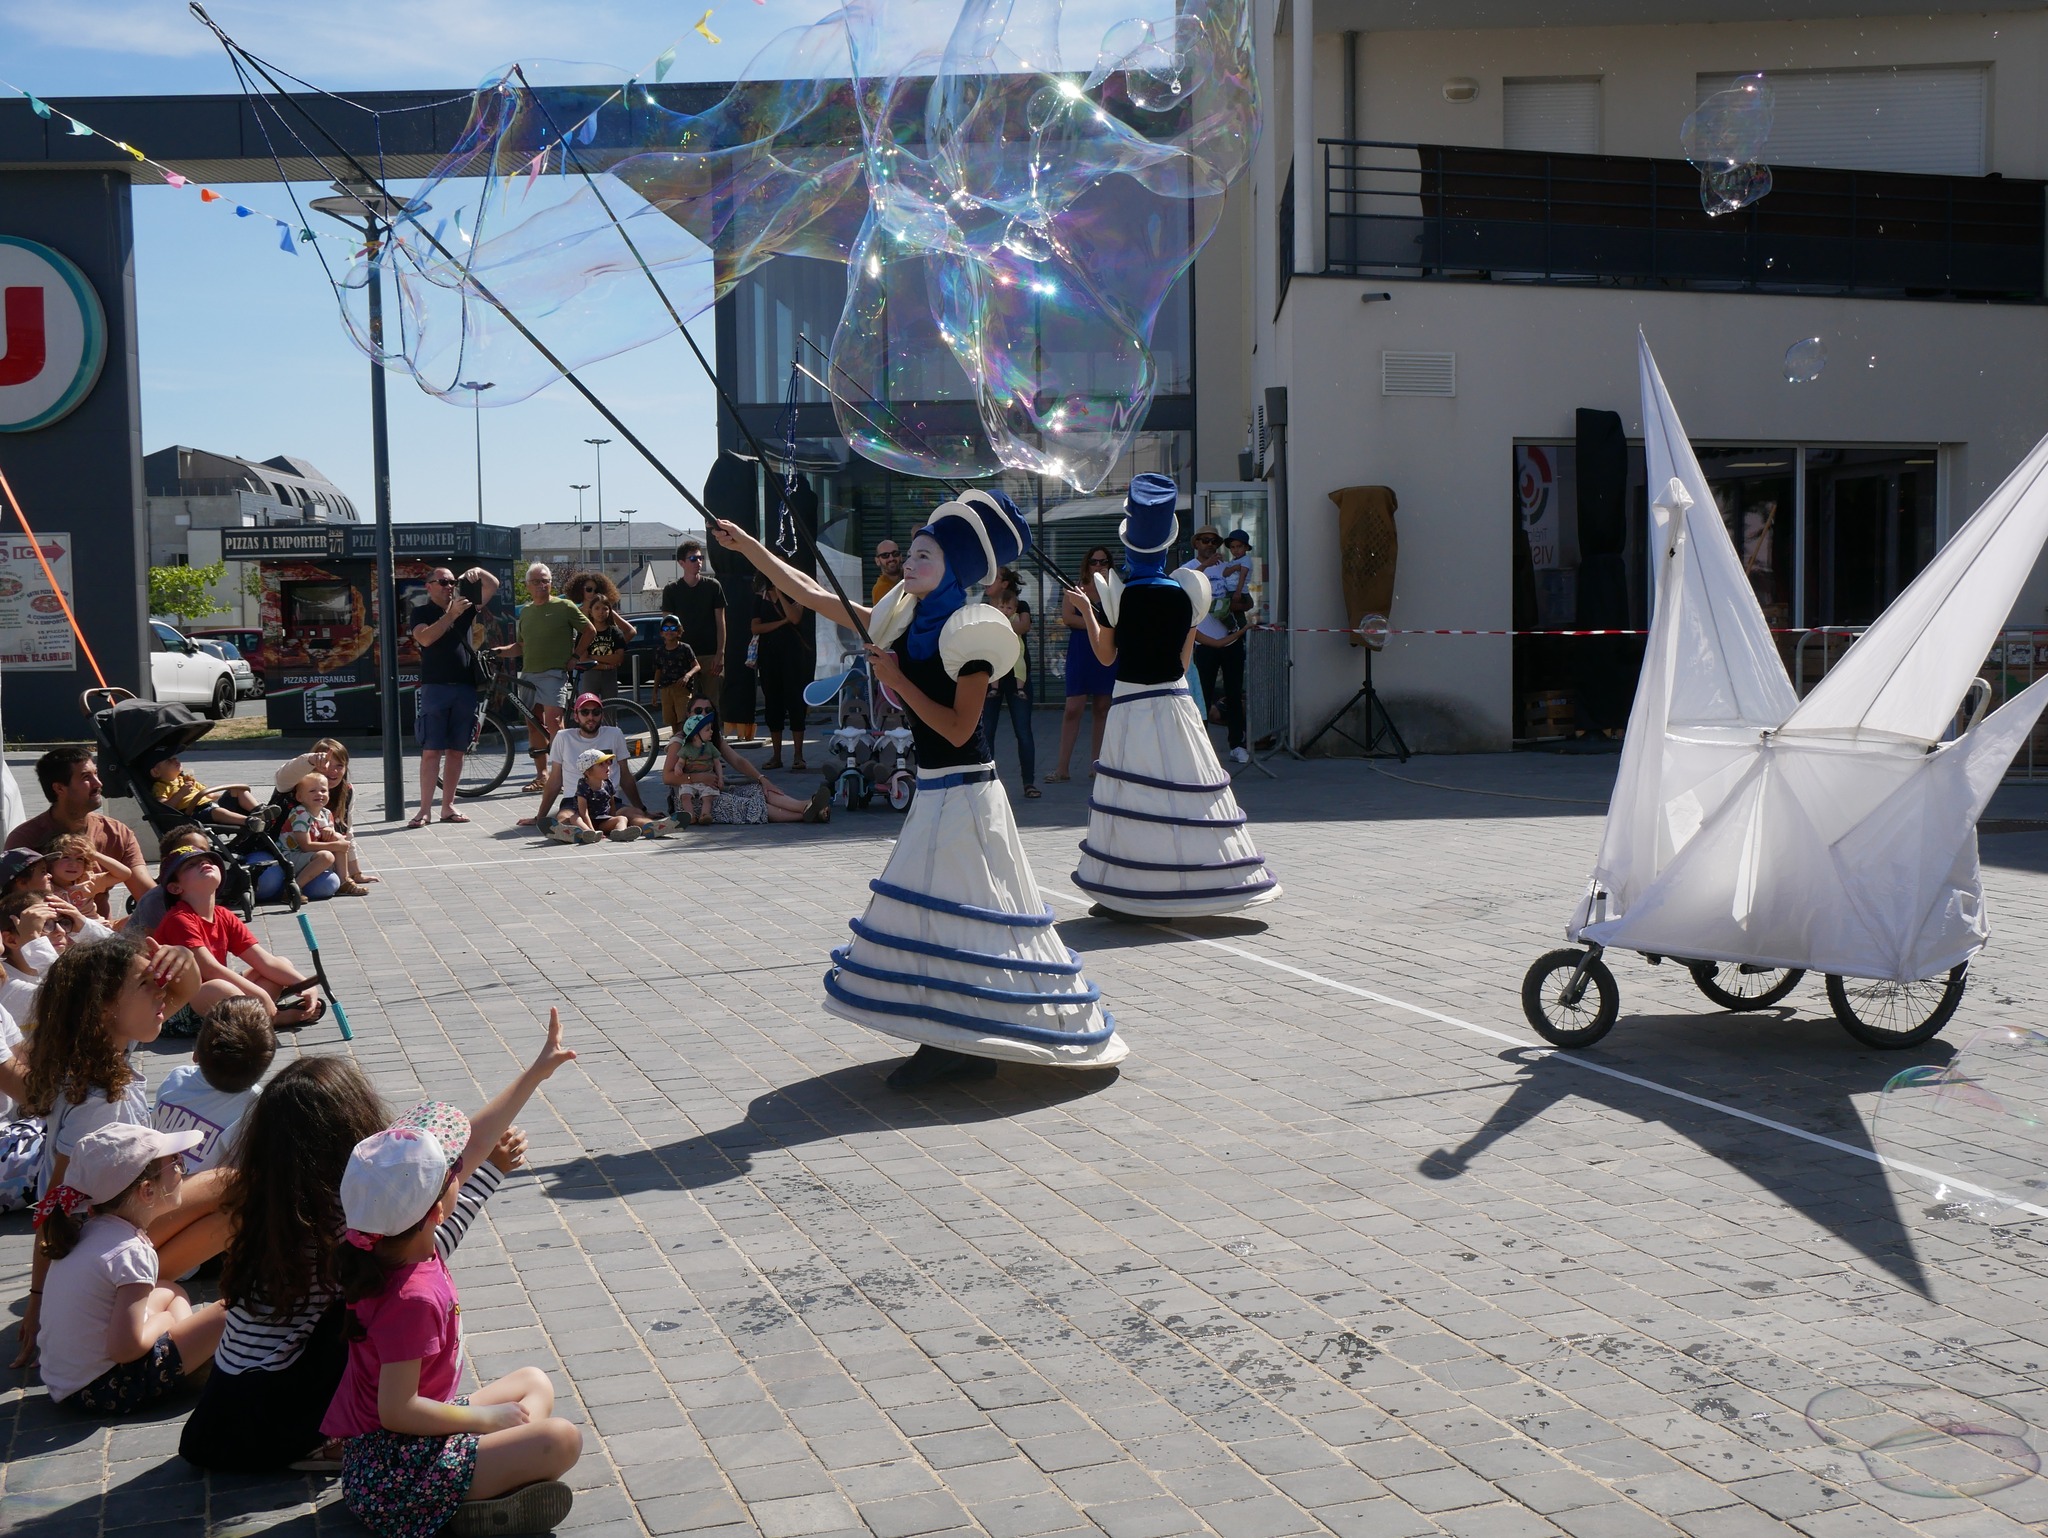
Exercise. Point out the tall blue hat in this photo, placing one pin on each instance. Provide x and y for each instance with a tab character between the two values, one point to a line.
979	531
1151	515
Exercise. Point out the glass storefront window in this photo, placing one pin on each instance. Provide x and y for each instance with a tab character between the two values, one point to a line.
1869	529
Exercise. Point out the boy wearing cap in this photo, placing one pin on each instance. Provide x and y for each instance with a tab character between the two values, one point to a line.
675	672
113	1339
196	920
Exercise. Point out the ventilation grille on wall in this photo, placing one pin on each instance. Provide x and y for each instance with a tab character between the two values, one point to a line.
1418	373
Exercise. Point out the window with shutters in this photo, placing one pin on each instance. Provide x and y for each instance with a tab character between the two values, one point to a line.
1929	119
1558	117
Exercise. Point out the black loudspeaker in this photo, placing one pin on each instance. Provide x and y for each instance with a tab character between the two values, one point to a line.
1603	484
1276	406
732	492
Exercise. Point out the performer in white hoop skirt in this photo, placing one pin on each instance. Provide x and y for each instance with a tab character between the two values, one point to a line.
957	949
1166	837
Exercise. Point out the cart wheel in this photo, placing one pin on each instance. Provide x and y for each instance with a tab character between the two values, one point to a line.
1886	1015
294	899
902	788
1737	986
1578	1021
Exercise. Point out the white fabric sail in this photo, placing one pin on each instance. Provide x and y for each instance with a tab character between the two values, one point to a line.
1835	834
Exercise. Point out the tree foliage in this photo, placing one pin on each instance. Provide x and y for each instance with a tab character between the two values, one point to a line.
186	592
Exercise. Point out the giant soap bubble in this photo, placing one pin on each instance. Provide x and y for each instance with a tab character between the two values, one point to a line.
1010	226
1724	138
1973	1134
1926	1440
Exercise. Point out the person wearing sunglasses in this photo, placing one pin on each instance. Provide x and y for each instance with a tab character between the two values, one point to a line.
444	711
889	565
587	730
549	627
698	600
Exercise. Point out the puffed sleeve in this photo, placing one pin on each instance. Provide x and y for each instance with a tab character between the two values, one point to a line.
1196	584
892	615
978	633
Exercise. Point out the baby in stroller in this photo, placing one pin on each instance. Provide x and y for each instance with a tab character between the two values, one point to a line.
225	805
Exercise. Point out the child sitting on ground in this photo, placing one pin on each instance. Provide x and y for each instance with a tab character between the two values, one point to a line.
79	872
416	1450
31	938
312	840
151	906
211	1094
99	1001
196	919
113	1339
225	805
600	810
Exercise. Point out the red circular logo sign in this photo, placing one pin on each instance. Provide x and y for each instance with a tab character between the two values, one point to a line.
53	335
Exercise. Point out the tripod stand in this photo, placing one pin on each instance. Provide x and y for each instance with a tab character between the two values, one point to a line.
1379	725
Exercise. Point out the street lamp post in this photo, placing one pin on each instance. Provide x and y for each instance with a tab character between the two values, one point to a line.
579	487
476	387
371	212
598	444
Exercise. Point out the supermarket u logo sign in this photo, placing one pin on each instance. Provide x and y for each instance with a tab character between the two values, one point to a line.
53	335
21	315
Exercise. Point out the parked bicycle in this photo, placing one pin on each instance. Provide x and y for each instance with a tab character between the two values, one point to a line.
507	708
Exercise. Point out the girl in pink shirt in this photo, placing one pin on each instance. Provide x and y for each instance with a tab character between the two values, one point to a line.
419	1455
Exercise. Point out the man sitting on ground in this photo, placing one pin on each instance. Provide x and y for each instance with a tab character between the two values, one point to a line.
587	730
71	779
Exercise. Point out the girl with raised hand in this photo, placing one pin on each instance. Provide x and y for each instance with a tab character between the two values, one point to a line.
284	1349
419	1456
1166	837
957	949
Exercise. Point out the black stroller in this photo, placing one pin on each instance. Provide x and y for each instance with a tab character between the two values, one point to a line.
135	735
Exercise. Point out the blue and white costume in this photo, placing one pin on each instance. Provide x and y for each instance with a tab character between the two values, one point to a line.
957	948
1166	837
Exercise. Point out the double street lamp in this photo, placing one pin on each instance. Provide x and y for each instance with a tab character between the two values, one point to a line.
598	444
476	388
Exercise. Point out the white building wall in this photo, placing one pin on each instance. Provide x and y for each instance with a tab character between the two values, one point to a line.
1973	378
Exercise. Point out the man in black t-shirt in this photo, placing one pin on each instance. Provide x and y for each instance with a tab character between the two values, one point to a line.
444	713
699	602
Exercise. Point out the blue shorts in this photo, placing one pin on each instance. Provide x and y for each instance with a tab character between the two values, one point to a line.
444	717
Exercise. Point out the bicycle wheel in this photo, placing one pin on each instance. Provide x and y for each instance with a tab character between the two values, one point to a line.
1887	1015
1562	1016
1735	986
641	731
488	761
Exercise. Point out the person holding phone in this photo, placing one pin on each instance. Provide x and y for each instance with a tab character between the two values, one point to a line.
444	713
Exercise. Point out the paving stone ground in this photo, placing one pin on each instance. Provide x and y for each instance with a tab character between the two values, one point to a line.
1336	1251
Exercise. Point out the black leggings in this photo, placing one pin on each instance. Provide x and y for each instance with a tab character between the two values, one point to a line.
253	1422
782	689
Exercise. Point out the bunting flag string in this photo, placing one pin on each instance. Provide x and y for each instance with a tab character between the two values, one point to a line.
289	234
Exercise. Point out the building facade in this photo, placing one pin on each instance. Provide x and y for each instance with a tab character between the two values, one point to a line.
1456	224
628	549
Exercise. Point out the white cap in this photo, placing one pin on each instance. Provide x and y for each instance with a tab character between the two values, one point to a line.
107	1161
393	1179
590	758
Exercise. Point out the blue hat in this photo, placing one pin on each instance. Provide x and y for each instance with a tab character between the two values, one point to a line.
979	531
1151	514
1235	535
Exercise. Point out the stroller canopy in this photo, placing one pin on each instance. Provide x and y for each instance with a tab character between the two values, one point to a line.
136	734
1837	833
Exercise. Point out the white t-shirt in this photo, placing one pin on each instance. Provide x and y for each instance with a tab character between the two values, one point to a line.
78	1300
18	993
1212	624
10	1038
67	1123
571	742
187	1103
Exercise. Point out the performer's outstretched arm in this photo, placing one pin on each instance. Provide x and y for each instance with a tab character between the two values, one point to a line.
805	590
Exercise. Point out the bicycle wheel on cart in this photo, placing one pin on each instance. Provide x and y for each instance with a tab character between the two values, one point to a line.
1887	1015
1742	985
640	729
488	761
1570	998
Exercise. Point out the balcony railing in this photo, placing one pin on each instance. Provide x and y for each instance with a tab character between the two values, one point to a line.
1447	211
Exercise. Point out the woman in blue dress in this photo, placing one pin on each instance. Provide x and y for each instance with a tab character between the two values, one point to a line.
957	950
1089	678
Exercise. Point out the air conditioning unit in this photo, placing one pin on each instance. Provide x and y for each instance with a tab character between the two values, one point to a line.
1418	373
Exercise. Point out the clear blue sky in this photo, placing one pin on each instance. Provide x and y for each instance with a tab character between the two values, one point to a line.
241	347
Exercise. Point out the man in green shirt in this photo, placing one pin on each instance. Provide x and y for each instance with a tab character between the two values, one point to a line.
548	627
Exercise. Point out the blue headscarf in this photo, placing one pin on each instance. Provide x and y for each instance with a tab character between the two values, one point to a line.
980	527
921	640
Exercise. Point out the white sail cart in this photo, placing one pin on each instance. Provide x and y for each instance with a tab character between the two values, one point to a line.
1754	836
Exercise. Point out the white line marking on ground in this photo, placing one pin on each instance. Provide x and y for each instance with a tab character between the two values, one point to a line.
1572	1060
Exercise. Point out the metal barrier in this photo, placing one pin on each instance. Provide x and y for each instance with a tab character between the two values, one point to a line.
1268	690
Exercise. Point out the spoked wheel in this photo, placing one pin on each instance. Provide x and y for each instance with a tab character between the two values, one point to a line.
488	761
1886	1015
1570	998
641	731
1735	985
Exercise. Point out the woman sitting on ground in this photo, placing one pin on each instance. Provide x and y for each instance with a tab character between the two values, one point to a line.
695	773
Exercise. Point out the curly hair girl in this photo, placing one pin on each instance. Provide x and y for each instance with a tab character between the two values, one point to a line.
75	1049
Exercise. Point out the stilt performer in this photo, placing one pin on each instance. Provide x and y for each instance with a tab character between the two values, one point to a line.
1166	838
957	949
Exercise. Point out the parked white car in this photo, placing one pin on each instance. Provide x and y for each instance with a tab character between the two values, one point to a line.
182	672
247	685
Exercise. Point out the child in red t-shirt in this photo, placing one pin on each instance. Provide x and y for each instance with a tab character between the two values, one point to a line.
192	877
417	1450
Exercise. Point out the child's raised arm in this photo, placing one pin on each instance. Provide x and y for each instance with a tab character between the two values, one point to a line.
490	1124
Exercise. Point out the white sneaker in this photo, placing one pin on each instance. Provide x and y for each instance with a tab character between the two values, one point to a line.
1240	756
561	833
661	827
587	836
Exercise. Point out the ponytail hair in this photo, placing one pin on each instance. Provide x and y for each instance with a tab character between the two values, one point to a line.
61	1216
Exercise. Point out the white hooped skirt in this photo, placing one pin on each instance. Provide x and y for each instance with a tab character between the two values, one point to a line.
957	948
1166	838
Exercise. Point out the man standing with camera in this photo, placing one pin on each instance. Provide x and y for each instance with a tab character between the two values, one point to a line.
444	711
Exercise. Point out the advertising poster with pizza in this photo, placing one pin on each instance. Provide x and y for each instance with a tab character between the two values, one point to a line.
34	635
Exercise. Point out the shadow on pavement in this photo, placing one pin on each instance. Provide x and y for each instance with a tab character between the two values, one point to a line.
1811	1080
838	1104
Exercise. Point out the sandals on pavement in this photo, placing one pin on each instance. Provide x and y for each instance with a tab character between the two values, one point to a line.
534	786
423	817
451	815
315	1009
1031	792
536	1508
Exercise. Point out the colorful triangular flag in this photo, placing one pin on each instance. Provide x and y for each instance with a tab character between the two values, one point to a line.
131	149
78	130
662	65
586	130
243	213
173	179
704	28
208	195
284	238
42	108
